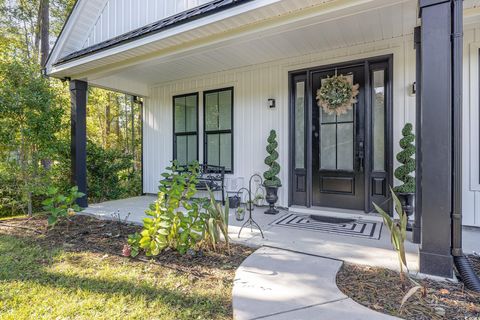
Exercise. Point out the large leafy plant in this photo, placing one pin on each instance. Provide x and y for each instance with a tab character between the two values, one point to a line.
168	225
179	221
59	206
271	175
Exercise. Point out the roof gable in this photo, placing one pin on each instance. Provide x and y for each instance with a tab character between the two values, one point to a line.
196	12
97	24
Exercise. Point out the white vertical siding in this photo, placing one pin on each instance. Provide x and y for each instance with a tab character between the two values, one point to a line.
120	16
253	120
471	116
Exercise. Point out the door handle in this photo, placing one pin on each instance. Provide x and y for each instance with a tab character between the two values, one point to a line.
361	155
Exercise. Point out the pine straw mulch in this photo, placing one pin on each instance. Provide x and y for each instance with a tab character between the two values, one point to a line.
381	290
85	233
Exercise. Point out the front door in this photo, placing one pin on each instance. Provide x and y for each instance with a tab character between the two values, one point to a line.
338	144
342	161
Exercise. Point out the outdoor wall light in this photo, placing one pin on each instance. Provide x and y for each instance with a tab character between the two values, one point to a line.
271	103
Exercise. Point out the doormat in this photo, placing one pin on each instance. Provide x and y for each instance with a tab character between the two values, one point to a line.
328	219
358	228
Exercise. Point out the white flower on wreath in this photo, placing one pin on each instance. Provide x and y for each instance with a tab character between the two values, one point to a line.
337	94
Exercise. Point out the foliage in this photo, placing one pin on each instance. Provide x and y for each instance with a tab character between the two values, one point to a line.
59	206
398	231
35	120
216	222
30	120
10	194
200	223
405	157
110	174
271	178
168	226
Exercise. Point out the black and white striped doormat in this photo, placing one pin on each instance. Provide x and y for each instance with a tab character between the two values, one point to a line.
359	228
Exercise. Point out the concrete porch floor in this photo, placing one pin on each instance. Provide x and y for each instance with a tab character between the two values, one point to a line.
346	248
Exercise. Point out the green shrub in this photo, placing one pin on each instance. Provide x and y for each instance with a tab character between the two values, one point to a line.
59	206
405	157
110	174
168	226
179	221
271	178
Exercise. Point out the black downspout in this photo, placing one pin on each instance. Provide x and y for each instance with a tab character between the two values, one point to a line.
464	268
417	224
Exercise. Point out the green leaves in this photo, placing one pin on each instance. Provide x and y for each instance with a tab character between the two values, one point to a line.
405	157
177	220
60	206
270	175
398	230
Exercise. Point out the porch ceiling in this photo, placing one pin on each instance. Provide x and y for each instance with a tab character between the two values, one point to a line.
322	32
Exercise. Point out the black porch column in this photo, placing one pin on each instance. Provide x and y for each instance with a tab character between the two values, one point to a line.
437	136
78	145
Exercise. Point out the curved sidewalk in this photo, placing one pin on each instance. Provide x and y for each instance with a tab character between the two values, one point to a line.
285	285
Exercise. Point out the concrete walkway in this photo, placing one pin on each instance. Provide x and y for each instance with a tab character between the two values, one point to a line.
284	285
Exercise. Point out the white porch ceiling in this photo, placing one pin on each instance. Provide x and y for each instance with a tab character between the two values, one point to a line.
299	38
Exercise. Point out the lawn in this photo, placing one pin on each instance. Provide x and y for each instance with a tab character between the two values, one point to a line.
77	272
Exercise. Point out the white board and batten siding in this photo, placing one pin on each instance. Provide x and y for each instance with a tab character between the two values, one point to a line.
471	128
253	120
121	16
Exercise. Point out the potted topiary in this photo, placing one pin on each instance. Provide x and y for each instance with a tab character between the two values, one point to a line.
272	182
406	191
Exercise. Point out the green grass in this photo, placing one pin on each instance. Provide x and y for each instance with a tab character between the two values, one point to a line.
41	283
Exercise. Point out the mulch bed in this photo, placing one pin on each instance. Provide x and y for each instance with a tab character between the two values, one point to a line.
381	290
85	233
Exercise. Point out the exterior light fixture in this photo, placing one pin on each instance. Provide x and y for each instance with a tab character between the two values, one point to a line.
271	103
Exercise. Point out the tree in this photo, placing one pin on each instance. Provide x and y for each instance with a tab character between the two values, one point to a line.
29	123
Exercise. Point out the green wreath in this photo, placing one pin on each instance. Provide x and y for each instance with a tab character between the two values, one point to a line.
337	94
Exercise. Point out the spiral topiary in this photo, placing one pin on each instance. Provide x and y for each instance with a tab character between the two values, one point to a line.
405	157
271	179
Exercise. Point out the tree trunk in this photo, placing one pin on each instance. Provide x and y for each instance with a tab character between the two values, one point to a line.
44	31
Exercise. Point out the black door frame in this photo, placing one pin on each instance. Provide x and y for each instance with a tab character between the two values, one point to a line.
309	103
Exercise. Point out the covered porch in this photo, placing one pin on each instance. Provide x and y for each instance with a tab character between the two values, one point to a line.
255	52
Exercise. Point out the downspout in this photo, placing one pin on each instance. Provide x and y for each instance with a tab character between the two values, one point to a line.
464	268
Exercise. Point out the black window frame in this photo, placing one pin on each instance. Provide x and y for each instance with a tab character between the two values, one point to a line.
207	132
186	133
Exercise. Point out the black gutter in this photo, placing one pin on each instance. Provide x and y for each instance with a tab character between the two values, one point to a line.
417	224
464	268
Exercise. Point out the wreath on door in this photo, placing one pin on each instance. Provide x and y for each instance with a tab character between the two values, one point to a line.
337	94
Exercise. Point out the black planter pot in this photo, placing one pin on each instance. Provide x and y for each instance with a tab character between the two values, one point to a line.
407	200
271	197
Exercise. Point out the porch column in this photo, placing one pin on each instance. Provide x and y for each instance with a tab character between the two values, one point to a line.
436	134
78	143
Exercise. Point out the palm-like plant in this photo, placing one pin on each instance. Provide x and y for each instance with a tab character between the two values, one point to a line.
217	222
398	231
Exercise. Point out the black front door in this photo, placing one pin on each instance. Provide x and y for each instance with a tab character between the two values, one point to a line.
342	161
338	143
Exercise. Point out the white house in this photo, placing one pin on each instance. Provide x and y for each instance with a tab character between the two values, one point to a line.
217	76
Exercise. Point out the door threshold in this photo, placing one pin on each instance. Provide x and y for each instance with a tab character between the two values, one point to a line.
336	212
